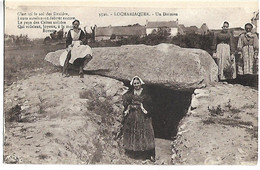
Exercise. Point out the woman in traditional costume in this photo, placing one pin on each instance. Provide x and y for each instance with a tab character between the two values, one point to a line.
75	50
138	133
224	53
248	52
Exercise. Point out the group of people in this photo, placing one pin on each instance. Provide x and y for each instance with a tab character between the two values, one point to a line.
224	53
138	133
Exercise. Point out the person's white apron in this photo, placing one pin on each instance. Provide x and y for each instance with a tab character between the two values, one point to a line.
77	49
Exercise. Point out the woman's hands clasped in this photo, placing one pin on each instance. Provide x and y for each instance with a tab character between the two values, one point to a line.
135	105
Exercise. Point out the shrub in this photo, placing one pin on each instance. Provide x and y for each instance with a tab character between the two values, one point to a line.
100	104
228	72
14	114
215	111
106	117
194	41
113	36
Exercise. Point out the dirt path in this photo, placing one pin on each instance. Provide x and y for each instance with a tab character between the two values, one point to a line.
163	151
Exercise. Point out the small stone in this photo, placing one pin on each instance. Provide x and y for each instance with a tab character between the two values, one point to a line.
116	99
199	91
111	92
102	99
8	101
191	112
173	156
115	108
11	159
122	90
181	132
181	127
24	107
115	143
28	137
202	95
194	103
241	151
184	160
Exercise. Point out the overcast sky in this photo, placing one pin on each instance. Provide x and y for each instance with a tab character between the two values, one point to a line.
89	16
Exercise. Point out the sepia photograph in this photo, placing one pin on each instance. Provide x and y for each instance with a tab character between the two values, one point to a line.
130	83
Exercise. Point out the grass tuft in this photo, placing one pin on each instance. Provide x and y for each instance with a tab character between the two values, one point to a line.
14	114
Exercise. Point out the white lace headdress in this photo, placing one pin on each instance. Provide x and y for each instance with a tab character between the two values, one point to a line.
131	82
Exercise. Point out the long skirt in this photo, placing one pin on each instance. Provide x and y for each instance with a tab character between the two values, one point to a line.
77	52
248	64
226	67
138	133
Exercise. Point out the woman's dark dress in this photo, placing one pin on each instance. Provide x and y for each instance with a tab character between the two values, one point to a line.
82	37
138	133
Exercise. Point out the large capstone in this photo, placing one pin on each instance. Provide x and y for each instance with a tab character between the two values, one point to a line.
167	65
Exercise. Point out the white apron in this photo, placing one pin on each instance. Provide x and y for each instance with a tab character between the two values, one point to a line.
77	50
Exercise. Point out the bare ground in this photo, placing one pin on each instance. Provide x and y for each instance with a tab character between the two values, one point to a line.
76	121
55	120
221	128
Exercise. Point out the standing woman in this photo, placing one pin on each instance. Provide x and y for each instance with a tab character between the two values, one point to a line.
75	50
224	53
248	52
138	133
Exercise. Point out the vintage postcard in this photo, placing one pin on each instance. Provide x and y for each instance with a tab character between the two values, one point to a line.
131	83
